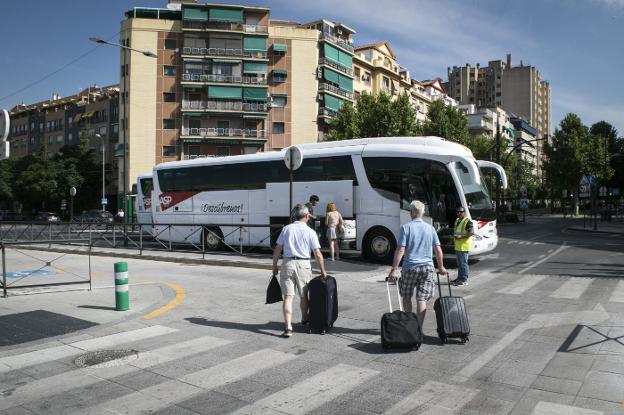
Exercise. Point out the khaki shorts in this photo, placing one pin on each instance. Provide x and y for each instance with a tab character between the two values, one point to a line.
295	274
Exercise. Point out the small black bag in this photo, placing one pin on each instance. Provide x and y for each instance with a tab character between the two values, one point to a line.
399	329
274	291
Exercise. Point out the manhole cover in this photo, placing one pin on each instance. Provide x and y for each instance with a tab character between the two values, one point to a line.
106	358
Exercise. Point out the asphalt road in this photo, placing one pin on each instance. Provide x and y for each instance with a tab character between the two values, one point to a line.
547	337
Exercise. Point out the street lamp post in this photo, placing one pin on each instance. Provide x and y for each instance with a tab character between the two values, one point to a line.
103	148
125	120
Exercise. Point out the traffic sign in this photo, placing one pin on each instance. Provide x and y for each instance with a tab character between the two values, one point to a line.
602	191
524	203
104	201
523	191
297	157
584	187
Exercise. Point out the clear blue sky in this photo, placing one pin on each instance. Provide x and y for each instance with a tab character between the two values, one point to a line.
576	44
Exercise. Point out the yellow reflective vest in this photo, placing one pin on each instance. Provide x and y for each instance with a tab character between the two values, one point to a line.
463	245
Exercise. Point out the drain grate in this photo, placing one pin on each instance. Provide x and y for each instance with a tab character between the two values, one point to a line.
106	358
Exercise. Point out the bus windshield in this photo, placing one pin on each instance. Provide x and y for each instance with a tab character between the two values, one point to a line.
477	196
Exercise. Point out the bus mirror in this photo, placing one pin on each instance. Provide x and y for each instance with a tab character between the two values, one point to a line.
497	167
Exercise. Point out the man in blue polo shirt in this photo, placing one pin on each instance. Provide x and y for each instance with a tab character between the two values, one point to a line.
417	241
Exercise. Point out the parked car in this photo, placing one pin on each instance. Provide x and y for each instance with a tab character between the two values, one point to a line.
49	217
96	216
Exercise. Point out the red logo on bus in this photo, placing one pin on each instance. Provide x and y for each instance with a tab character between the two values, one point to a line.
147	202
168	200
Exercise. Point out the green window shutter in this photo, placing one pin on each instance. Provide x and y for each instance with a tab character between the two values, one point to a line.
255	94
331	76
191	13
254	67
254	43
345	83
331	52
225	92
283	72
332	103
278	47
345	59
226	15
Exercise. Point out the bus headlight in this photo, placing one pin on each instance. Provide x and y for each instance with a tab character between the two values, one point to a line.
477	237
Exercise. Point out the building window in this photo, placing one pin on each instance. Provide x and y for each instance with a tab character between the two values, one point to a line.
356	72
223	151
115	128
224	125
169	124
278	102
279	77
171	44
169	97
386	83
169	151
70	137
103	131
278	128
169	70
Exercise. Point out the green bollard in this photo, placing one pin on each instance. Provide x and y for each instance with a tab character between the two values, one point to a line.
122	296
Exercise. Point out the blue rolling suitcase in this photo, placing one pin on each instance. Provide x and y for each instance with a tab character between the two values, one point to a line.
322	303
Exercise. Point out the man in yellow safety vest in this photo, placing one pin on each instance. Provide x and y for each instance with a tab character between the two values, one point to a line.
463	243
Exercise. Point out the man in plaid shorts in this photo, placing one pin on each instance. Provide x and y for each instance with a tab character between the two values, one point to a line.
417	241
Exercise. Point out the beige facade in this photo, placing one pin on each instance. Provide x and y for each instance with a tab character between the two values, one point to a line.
376	70
424	93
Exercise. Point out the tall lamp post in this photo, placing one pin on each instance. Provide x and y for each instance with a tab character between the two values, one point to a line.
103	148
125	118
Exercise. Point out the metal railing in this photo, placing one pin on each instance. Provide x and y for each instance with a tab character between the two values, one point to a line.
328	112
334	65
337	41
324	86
234	52
252	80
223	132
220	25
225	106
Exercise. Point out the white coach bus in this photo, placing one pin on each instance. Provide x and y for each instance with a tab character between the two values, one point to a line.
372	181
143	201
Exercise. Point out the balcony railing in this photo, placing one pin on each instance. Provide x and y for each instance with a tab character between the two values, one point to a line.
223	132
323	86
238	27
336	41
224	106
334	65
224	52
252	80
327	112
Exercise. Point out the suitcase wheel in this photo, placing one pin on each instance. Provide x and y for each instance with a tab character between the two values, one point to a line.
443	339
322	333
465	340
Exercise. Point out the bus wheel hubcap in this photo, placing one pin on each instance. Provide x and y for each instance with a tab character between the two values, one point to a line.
212	240
380	245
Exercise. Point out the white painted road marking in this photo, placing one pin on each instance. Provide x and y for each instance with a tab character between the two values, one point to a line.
311	393
549	408
523	284
589	317
72	349
561	248
573	288
157	397
78	378
618	293
437	397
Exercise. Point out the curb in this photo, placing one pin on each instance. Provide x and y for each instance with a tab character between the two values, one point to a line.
150	257
576	229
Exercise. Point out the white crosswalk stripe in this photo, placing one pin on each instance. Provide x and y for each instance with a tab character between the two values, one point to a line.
311	393
161	396
572	288
549	408
618	294
73	349
522	284
78	378
436	397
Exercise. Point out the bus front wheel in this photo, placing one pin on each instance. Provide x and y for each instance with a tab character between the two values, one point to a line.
213	239
379	245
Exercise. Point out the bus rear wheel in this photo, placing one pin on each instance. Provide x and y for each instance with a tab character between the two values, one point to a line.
379	245
213	239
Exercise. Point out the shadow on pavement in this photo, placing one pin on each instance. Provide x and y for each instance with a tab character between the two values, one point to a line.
98	307
230	325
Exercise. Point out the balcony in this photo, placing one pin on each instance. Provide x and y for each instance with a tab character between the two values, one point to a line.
323	86
337	41
229	26
250	80
327	112
241	53
334	65
223	132
224	106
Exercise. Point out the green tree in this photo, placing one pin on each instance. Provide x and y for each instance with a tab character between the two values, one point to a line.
404	117
345	126
615	147
446	122
6	180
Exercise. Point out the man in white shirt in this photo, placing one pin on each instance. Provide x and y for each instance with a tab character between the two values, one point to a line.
297	241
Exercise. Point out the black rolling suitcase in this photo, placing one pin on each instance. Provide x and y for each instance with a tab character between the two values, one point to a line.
451	315
322	303
399	329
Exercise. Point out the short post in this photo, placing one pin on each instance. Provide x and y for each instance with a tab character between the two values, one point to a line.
4	277
122	296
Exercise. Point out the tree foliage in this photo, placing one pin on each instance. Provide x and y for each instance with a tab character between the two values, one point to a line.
447	122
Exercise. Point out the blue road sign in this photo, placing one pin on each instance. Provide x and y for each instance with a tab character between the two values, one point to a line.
104	201
29	273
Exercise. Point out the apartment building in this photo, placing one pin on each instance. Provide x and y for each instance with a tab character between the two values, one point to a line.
376	70
424	93
45	127
525	146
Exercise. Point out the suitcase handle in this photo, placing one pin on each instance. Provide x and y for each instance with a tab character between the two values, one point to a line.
448	282
396	284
